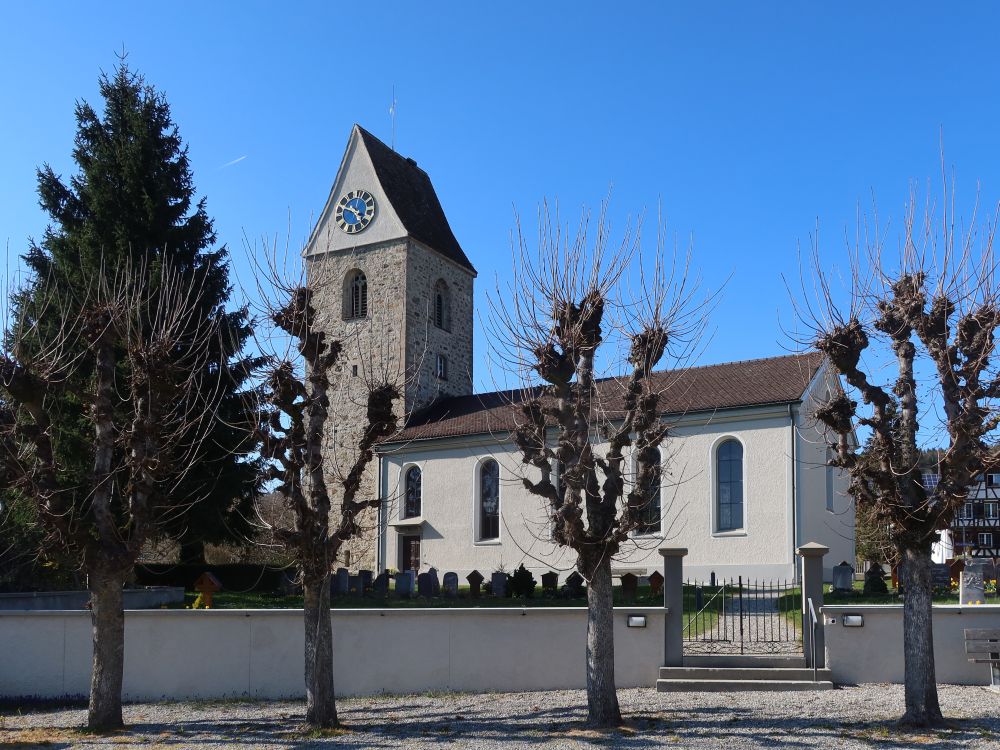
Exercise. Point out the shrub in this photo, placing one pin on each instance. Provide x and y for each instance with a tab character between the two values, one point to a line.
522	583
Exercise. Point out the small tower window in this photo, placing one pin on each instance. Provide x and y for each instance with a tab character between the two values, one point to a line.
441	367
442	305
356	296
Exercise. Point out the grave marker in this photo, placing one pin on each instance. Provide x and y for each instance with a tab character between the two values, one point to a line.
475	579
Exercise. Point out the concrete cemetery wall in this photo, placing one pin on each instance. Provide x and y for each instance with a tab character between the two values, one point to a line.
174	654
874	652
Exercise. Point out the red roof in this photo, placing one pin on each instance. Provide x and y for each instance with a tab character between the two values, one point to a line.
732	385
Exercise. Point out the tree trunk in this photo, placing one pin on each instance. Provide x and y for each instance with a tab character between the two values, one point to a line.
602	699
108	619
321	703
922	708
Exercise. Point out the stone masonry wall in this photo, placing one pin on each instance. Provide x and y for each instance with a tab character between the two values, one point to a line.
424	340
372	347
398	339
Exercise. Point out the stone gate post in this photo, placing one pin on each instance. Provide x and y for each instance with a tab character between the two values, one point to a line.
673	603
812	588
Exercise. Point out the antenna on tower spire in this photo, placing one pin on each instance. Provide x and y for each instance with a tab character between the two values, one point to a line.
392	115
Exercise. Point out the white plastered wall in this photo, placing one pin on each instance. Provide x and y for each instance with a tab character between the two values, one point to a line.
834	528
356	173
764	548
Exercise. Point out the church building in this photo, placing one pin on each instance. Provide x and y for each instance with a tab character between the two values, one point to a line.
745	475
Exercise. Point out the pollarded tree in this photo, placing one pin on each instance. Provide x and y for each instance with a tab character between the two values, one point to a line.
295	434
929	317
149	416
569	299
132	200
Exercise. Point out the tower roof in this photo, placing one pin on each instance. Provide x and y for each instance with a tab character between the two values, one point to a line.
412	195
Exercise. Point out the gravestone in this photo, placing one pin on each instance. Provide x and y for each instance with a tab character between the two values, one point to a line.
498	584
381	584
354	585
475	579
366	580
550	581
424	587
340	583
574	584
655	583
875	581
940	576
972	589
630	585
450	585
207	585
404	584
435	583
843	577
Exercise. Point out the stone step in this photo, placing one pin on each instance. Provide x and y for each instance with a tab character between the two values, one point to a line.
725	686
802	674
735	660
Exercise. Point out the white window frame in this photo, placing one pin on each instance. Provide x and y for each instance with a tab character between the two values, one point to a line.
441	367
402	504
990	510
714	474
986	539
966	512
477	489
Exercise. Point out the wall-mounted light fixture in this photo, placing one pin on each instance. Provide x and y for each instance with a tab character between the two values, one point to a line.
854	621
636	621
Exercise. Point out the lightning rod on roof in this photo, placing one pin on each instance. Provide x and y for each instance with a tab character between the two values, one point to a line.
392	117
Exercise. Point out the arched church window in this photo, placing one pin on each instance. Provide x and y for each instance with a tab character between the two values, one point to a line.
649	510
356	295
489	500
442	305
729	486
411	505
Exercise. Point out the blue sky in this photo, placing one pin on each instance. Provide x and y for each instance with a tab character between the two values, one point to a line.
746	122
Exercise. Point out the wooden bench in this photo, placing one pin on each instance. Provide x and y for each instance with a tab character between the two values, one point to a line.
984	648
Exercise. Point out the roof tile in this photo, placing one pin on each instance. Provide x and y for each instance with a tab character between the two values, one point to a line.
755	382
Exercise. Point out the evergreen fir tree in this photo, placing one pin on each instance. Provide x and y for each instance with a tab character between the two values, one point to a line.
133	200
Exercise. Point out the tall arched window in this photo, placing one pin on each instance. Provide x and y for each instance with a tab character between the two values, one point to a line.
489	500
356	302
649	501
442	305
411	504
729	486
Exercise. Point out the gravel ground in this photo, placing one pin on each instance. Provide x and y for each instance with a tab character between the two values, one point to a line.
856	717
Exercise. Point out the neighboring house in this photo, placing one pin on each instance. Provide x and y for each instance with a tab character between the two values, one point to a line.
975	530
744	478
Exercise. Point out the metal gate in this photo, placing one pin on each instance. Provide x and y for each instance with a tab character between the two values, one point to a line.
738	616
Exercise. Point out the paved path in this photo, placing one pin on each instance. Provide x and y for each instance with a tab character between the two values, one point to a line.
851	719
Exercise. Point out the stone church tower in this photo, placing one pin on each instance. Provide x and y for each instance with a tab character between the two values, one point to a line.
394	286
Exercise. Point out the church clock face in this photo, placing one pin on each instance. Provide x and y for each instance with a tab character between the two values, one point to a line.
355	211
